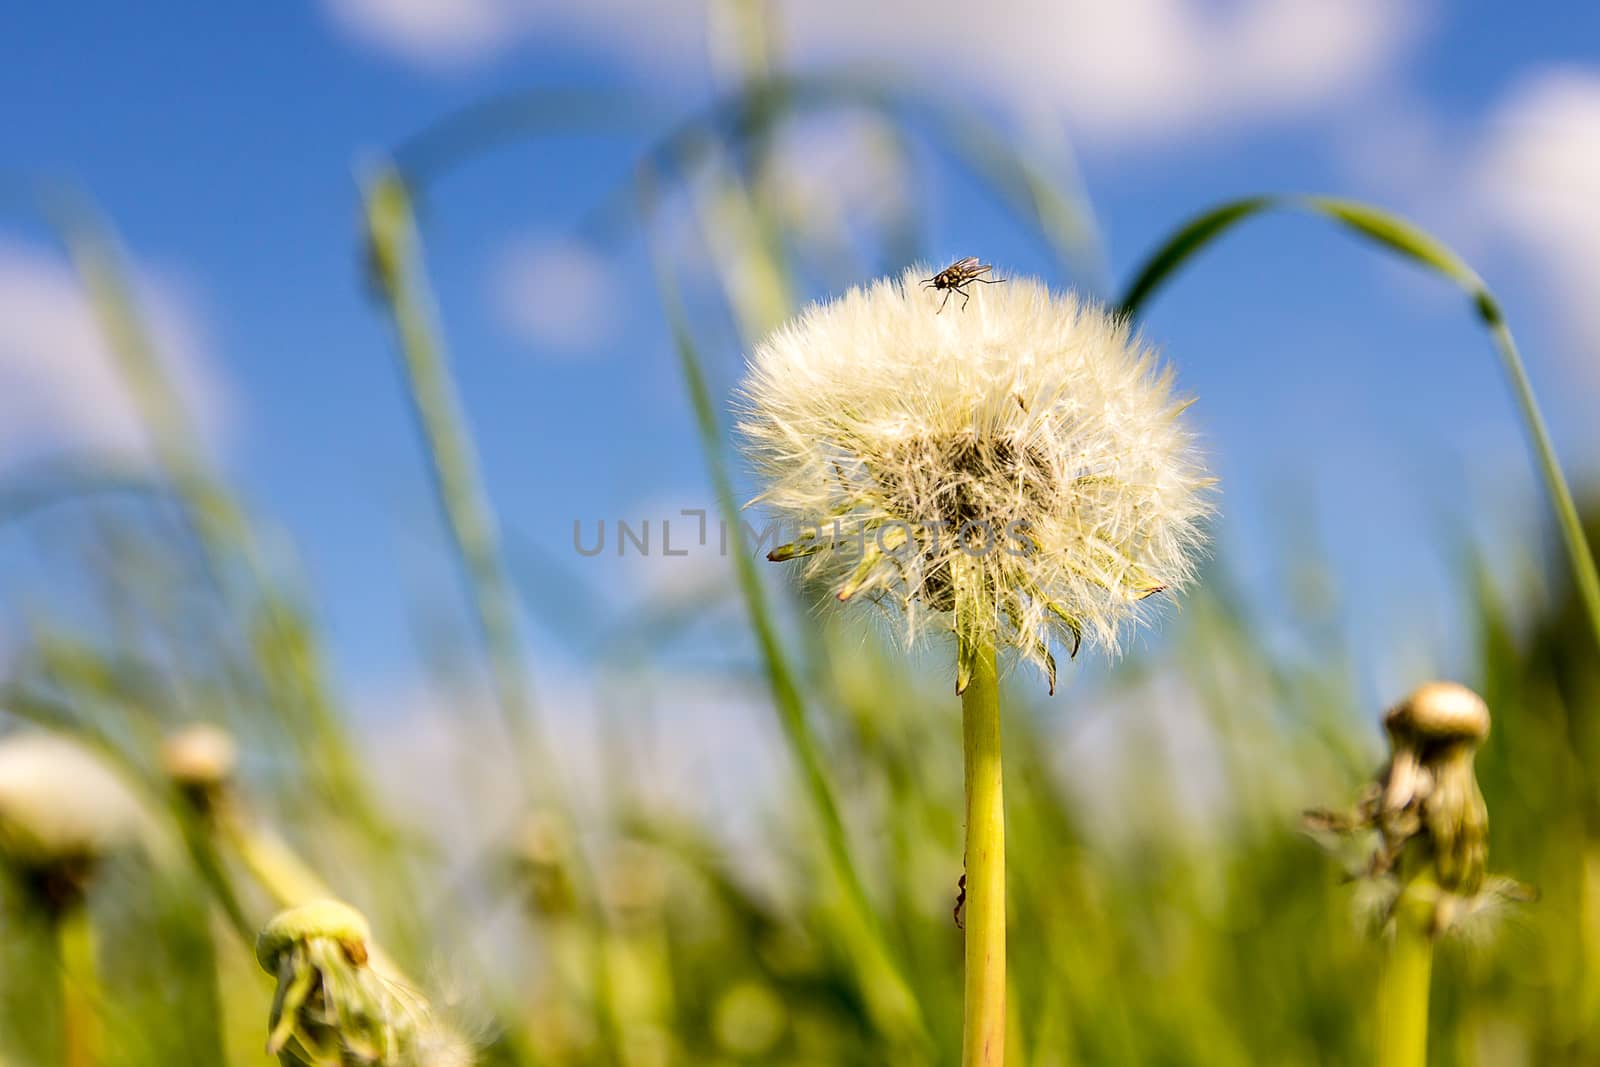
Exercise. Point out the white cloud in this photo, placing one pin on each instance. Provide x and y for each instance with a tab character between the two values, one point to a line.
433	32
446	34
1131	70
559	295
1395	147
832	169
694	743
1135	69
60	387
1537	180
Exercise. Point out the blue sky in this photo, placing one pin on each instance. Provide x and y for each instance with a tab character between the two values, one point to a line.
1337	392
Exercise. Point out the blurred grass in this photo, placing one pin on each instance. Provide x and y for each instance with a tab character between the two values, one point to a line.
1165	908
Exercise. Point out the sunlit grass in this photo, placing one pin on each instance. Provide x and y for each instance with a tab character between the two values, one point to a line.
1162	905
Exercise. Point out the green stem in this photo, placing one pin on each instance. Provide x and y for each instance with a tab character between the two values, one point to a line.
1404	984
983	1034
391	229
287	879
80	989
882	975
276	869
1579	554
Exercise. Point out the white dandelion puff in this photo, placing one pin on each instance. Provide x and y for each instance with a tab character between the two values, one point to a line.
60	803
1019	463
200	756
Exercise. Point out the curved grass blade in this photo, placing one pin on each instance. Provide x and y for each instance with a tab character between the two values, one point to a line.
394	263
1401	238
476	129
748	117
75	481
883	980
1185	242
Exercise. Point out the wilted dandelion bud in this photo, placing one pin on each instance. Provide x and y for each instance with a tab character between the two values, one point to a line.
200	760
331	1006
1426	807
1430	787
1019	465
61	810
542	860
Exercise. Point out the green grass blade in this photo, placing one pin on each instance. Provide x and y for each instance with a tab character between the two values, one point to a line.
883	980
394	262
1401	238
1189	239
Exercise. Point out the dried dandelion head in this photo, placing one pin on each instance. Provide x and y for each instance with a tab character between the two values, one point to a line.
331	1006
1018	465
1428	814
540	861
1430	788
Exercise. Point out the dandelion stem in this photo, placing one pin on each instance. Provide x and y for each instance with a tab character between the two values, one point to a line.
984	1021
277	870
286	878
1403	986
80	988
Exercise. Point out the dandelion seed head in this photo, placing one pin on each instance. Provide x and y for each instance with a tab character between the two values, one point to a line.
199	760
59	803
200	754
1036	424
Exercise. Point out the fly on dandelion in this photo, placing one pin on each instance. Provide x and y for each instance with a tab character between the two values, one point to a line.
957	276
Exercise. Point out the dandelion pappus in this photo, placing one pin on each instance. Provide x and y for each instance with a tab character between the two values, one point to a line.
957	276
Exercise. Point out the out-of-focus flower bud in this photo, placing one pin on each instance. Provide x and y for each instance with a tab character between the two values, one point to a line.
542	859
1429	814
1431	793
331	1006
61	810
200	760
